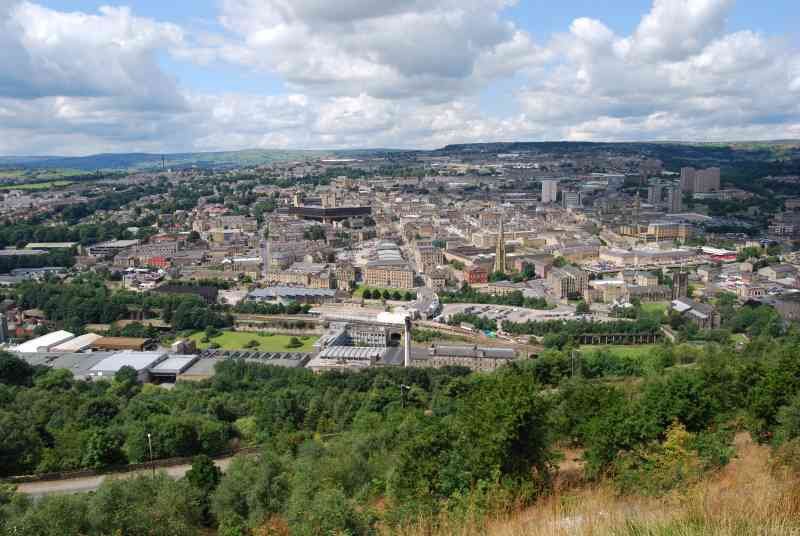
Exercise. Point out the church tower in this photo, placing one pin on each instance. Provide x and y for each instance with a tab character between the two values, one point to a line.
500	254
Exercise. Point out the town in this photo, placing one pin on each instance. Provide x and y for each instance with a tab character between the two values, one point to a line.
463	256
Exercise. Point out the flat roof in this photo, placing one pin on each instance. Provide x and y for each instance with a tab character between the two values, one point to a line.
136	360
286	292
174	364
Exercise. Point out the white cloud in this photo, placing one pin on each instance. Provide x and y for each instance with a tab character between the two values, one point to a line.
435	50
112	53
390	73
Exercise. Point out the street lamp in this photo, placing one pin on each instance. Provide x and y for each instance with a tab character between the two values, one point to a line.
150	444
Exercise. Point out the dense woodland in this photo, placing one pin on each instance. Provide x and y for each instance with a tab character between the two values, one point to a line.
355	453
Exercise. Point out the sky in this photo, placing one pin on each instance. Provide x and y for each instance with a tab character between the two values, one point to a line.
83	77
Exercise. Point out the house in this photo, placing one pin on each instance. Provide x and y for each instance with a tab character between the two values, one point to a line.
778	271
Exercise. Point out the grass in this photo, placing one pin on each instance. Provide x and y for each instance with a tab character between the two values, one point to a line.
634	351
36	185
655	307
748	496
237	340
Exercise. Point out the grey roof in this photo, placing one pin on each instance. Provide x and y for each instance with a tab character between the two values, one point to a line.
174	364
290	292
352	352
473	351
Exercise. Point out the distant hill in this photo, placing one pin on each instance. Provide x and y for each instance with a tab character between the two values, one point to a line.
143	161
669	152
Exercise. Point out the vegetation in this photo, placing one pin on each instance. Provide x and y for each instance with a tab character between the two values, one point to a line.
468	294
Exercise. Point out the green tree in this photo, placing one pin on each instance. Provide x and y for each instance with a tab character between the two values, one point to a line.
294	342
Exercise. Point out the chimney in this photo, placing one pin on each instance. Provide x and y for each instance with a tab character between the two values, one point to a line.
407	343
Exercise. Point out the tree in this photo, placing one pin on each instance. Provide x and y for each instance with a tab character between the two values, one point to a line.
582	308
15	371
204	476
386	295
396	295
104	448
407	296
252	343
367	294
294	342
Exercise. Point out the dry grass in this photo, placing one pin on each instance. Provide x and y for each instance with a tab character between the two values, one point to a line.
747	497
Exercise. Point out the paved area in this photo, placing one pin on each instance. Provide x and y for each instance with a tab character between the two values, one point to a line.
86	484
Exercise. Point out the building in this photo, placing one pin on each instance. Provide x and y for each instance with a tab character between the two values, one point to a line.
473	357
549	191
389	274
136	344
44	343
141	362
476	275
702	315
345	358
700	180
78	344
654	194
111	248
288	295
778	271
674	200
428	258
568	281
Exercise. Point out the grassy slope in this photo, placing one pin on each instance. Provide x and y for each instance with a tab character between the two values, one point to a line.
36	185
746	497
641	350
232	340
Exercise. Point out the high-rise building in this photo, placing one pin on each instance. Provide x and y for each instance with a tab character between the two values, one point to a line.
687	179
549	191
706	180
700	180
674	200
654	193
500	254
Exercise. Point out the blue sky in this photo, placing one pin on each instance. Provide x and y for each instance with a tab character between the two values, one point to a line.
87	76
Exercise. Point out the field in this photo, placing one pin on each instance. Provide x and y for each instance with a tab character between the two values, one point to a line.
633	351
36	185
655	307
236	340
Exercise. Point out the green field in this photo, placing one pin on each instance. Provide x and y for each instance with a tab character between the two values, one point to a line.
655	307
236	340
634	351
36	185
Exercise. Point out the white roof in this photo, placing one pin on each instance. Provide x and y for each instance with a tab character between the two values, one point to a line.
136	360
175	364
45	341
77	344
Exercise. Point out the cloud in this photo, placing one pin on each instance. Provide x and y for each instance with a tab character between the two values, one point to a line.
110	54
678	76
399	73
434	50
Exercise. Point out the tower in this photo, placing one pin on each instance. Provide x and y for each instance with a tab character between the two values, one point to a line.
407	341
4	335
500	254
680	284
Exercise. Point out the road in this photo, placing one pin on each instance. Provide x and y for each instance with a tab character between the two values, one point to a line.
91	483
